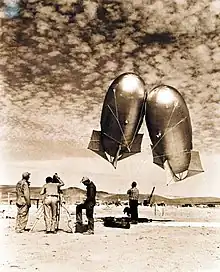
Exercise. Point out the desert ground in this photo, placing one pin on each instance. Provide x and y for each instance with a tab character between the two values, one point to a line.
190	242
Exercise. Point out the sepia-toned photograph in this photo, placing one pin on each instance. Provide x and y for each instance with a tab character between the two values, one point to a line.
110	135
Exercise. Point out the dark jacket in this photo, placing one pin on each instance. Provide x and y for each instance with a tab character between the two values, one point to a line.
91	193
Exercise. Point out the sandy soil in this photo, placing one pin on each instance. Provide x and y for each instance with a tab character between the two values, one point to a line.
191	242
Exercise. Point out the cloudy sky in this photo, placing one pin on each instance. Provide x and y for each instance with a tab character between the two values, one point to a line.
57	61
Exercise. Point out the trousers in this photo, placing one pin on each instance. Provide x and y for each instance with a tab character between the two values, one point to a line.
134	209
89	207
22	217
50	212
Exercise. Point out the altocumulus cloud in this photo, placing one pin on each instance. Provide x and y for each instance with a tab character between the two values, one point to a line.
59	57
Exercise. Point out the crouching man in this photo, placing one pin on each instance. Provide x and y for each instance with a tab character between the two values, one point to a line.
88	205
50	192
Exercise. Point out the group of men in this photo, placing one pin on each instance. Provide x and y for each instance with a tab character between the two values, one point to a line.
51	200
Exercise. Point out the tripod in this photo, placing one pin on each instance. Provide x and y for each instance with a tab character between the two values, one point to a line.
60	205
39	213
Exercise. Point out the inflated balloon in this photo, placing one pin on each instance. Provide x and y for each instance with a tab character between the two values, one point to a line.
122	115
169	126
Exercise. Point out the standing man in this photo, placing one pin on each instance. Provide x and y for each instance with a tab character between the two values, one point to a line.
88	205
50	191
133	193
23	202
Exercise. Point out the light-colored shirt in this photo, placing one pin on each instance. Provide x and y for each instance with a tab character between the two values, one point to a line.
23	193
133	193
50	189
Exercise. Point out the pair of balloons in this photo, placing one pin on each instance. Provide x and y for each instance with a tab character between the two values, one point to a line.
167	119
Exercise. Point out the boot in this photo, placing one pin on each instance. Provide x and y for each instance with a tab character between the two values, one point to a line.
88	232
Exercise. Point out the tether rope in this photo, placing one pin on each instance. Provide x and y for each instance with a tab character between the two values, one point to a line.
119	126
168	131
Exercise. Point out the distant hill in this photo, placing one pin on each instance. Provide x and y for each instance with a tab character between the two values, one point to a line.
168	201
71	194
74	194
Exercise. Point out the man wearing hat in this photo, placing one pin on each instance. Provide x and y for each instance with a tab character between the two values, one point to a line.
88	205
23	202
133	194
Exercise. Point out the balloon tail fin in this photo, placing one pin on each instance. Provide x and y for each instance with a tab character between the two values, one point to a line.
95	144
195	166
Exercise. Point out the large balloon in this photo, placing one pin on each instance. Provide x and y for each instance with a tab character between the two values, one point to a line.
168	122
122	115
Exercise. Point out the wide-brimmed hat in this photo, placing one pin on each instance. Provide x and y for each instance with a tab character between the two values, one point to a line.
26	175
85	179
